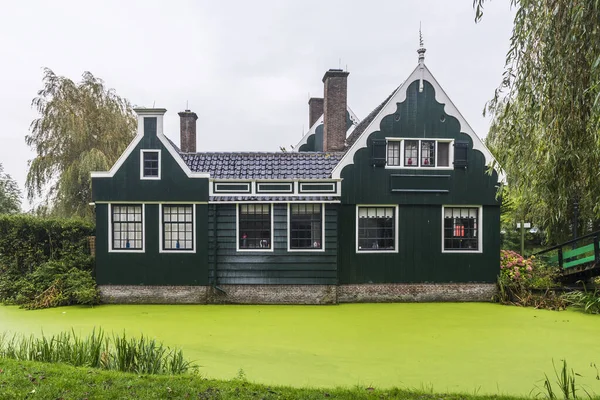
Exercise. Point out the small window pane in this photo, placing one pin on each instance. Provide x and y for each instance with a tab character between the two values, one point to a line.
411	153
127	235
393	153
177	229
427	153
376	228
254	226
443	157
461	231
306	226
150	168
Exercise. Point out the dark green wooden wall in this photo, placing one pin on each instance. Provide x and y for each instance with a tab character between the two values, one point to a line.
278	267
126	185
420	258
151	267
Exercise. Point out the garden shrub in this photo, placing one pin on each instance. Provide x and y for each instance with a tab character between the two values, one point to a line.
527	282
46	262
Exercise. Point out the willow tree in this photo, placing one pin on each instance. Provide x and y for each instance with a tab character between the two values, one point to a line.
10	194
546	112
82	127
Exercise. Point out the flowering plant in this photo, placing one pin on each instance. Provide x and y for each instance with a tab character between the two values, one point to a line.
515	267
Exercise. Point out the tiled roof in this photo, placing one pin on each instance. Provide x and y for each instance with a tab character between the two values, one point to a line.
226	199
365	122
280	165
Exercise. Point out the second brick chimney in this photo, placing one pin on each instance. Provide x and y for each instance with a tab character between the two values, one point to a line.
187	141
334	109
315	110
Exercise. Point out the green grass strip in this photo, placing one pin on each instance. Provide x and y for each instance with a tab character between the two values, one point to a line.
35	380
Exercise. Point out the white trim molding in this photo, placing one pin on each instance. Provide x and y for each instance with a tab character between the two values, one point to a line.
142	113
421	72
110	229
237	229
479	229
289	230
154	178
161	247
396	224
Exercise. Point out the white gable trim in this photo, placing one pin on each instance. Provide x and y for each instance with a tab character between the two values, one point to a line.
312	130
159	114
421	72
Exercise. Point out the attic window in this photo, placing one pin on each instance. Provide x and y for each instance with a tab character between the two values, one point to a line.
417	153
150	164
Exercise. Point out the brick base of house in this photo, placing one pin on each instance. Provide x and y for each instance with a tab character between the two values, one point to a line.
418	292
297	294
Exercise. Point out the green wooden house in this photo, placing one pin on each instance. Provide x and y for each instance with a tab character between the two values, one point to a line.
400	206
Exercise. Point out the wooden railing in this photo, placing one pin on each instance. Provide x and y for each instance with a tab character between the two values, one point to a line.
575	255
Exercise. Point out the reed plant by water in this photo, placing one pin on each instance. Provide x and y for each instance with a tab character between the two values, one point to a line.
141	355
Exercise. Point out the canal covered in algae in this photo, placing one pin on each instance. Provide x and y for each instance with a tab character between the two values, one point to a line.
456	347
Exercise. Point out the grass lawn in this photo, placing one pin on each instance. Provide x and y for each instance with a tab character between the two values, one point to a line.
448	347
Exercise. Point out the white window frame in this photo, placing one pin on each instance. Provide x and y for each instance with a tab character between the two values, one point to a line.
419	140
237	230
396	224
110	229
161	247
289	230
479	229
150	178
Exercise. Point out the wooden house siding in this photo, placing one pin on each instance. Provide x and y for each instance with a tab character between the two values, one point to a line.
419	258
151	267
229	266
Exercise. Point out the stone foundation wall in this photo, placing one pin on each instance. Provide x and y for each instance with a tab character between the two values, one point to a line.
297	294
404	292
133	294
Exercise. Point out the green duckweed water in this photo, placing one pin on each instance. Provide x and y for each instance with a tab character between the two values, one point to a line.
477	347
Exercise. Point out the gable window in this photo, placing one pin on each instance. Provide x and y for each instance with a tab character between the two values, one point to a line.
306	227
150	164
462	228
127	227
376	228
254	227
417	153
177	227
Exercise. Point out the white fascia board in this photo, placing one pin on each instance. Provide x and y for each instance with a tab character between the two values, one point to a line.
355	121
141	114
311	131
421	72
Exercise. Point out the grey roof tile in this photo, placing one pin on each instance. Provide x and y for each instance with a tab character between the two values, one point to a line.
281	165
360	128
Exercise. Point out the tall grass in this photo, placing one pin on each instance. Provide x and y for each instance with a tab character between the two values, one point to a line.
117	352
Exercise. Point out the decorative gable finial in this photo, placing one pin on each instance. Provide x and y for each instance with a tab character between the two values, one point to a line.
421	49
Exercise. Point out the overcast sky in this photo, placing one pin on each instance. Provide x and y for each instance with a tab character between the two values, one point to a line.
246	68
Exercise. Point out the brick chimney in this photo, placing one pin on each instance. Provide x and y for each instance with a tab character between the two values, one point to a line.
187	141
315	110
334	109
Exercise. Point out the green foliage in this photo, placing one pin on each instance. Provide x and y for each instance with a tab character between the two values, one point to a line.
546	111
527	282
566	381
587	301
45	262
10	194
82	127
119	353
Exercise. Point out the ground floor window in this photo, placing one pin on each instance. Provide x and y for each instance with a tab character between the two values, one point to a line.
178	227
306	226
254	226
127	227
461	228
376	228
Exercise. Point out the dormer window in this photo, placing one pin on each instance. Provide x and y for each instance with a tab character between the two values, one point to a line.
150	164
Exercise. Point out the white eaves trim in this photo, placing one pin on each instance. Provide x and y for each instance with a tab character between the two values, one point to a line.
421	72
159	114
312	130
